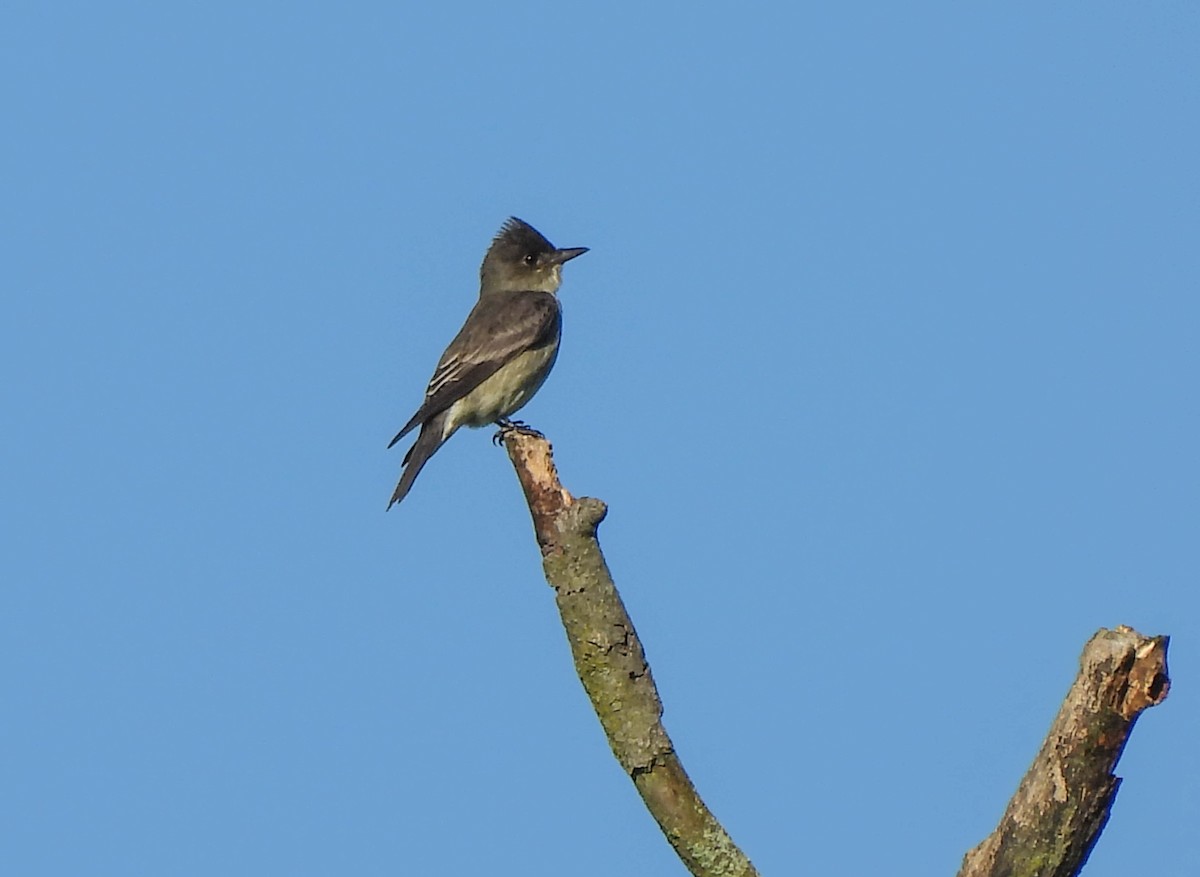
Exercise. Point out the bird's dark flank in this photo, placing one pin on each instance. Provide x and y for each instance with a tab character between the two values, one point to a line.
503	352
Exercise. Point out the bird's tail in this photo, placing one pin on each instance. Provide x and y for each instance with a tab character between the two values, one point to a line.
428	441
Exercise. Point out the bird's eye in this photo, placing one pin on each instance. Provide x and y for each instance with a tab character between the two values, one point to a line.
530	258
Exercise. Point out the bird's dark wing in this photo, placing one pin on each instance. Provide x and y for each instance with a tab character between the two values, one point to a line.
499	327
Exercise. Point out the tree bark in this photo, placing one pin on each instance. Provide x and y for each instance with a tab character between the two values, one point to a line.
612	665
1064	801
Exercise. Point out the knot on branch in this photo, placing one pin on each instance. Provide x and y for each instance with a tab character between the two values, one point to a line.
1148	679
1135	665
583	517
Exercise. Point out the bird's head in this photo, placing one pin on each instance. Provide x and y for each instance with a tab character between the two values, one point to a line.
520	259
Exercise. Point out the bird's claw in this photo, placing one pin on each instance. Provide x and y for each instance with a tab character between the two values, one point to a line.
518	426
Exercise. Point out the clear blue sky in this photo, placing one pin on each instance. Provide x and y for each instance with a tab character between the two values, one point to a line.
884	358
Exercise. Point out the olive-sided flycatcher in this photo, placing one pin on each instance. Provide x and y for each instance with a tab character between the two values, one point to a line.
503	352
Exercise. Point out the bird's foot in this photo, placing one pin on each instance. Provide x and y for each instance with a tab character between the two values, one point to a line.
509	426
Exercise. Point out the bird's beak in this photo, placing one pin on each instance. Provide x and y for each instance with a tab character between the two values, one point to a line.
567	255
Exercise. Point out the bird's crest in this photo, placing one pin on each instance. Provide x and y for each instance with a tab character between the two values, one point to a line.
520	237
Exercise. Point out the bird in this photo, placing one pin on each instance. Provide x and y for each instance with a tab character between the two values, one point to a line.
502	354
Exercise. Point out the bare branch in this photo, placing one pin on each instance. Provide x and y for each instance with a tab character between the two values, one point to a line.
611	664
1064	801
1050	825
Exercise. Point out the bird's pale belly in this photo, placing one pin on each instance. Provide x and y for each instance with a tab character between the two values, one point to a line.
505	392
